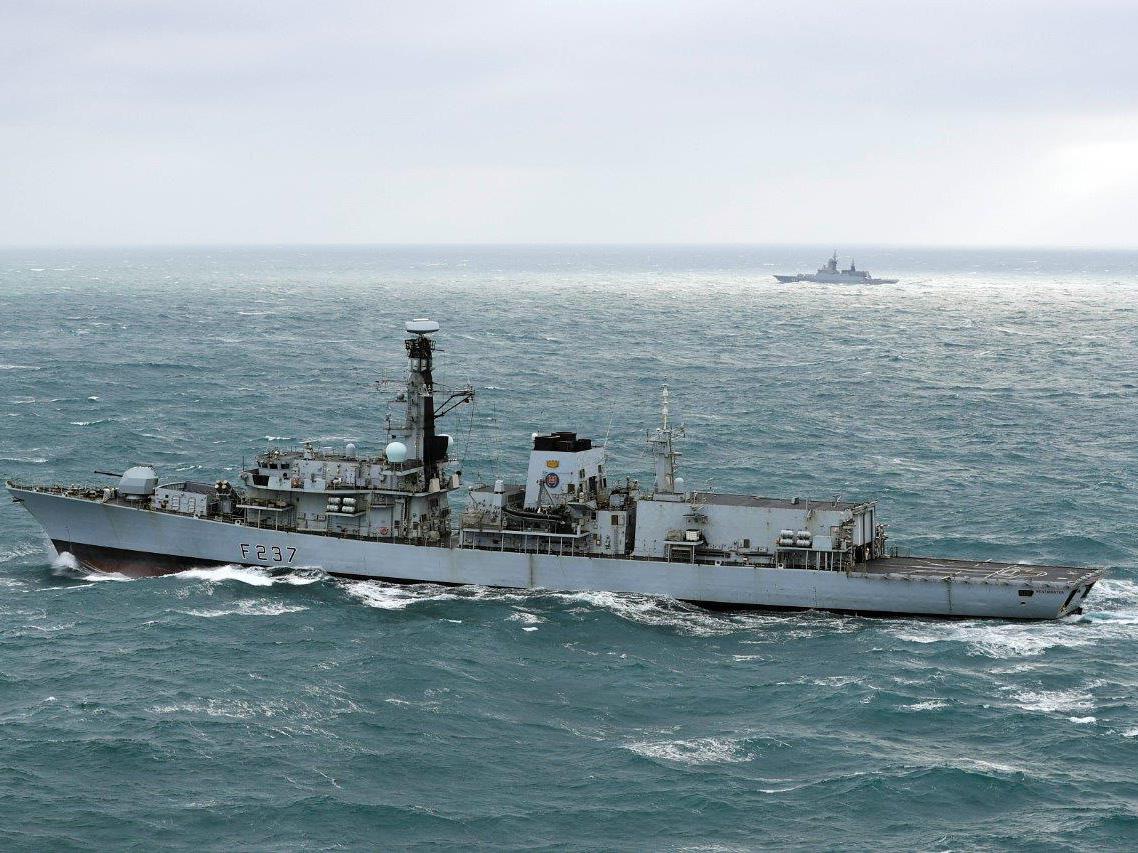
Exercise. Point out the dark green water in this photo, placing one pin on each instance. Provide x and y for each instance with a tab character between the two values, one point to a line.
989	400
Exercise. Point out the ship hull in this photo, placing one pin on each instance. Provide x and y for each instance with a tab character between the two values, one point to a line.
135	541
834	279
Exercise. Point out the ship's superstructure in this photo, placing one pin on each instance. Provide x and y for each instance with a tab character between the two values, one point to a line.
401	495
568	525
830	274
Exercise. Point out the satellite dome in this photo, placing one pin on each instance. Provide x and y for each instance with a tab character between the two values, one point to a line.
421	326
396	452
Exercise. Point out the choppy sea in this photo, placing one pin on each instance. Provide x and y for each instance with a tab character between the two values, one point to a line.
989	401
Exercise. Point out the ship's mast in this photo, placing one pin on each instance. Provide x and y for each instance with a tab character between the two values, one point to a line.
419	423
422	409
660	441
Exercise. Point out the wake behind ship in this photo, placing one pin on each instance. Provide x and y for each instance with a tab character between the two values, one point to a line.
567	526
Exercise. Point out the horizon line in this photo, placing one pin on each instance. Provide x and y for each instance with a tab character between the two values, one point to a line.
1056	247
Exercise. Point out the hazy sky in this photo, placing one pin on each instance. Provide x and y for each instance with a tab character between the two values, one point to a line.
758	122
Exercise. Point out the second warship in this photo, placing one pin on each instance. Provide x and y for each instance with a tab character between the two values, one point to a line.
830	274
569	525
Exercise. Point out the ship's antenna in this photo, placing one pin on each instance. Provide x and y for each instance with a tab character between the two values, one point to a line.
497	448
664	406
469	431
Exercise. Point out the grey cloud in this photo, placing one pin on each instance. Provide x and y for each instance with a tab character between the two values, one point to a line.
286	121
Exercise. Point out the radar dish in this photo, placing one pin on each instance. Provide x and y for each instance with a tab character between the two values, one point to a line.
422	326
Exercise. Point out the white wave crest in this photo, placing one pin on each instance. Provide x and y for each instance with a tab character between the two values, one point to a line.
1111	614
98	577
248	608
65	564
998	640
390	596
699	751
65	561
1050	701
301	576
928	705
220	574
668	613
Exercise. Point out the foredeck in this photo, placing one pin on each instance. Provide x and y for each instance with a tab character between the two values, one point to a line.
939	567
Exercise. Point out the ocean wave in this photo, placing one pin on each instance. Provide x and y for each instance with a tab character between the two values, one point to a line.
927	705
21	549
19	367
66	565
1051	701
254	576
248	608
24	460
389	596
221	574
997	640
699	751
686	618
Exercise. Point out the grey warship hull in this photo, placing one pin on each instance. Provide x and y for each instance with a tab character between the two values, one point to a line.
567	526
834	279
830	274
110	536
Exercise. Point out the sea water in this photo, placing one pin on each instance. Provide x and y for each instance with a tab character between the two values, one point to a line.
989	401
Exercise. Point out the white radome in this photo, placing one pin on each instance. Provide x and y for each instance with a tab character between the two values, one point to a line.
396	452
422	326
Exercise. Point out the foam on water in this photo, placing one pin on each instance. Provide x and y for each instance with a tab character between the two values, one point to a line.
21	550
248	608
996	639
388	596
927	705
1051	701
698	751
221	574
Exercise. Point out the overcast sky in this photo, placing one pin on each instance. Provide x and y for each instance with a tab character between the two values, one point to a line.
756	122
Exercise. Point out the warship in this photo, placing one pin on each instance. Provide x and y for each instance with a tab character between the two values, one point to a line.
570	525
830	274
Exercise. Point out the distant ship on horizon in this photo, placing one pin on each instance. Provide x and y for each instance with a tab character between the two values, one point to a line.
830	274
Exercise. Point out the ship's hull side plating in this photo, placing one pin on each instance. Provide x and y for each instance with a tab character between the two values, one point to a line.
122	539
